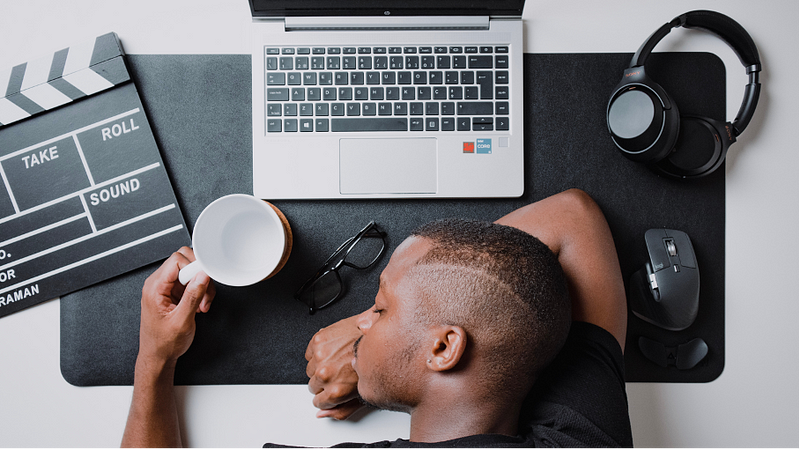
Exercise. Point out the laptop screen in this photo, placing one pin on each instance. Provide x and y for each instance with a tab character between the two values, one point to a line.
312	8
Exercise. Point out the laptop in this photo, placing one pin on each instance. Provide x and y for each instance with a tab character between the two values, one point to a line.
387	99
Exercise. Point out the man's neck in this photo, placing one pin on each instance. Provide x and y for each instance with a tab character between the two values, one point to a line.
461	416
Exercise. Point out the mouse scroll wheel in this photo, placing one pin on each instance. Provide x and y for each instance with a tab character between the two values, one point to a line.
671	249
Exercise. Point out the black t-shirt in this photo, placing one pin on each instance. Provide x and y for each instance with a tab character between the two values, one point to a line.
578	401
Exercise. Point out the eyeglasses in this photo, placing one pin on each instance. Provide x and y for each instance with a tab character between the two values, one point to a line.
360	252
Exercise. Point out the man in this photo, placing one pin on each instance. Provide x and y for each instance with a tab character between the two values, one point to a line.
466	335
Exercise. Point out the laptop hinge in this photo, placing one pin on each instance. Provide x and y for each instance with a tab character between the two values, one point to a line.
388	23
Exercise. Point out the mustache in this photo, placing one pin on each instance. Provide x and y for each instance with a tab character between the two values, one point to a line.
355	346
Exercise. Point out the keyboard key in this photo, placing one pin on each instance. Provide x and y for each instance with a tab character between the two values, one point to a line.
306	109
412	62
326	78
392	93
381	62
301	62
485	49
294	78
286	63
298	94
416	124
329	94
290	125
318	51
400	108
486	82
423	93
501	77
337	108
310	79
409	49
470	49
332	63
340	79
501	61
360	93
369	109
502	123
480	62
272	63
463	124
384	109
476	107
416	108
431	108
353	109
427	62
455	93
277	94
420	77
365	62
395	50
456	49
306	125
290	109
426	50
273	125
440	93
440	49
501	92
321	125
368	124
448	124
448	108
467	77
376	93
321	109
501	49
349	50
274	110
443	62
273	51
345	93
364	50
276	79
357	78
403	77
349	62
432	124
408	93
388	78
459	62
435	78
334	50
501	108
313	94
471	93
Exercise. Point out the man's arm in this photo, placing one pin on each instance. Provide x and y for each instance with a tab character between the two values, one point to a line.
166	331
574	228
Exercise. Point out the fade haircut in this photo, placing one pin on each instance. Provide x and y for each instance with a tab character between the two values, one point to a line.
504	287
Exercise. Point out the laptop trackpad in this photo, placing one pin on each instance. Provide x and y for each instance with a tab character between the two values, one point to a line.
384	166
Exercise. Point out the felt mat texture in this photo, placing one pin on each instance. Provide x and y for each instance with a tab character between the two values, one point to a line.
200	110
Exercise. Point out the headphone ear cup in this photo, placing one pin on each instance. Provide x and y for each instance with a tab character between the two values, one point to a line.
700	149
641	126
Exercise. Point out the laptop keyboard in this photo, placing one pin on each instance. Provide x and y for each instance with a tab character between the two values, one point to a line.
397	88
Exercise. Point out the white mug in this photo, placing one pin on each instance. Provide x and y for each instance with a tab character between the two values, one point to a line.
239	240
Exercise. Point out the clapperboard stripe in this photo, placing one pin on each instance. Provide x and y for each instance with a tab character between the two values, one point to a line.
62	77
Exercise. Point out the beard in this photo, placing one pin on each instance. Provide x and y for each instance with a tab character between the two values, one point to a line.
388	384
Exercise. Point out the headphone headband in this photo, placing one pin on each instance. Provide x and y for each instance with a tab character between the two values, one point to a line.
734	35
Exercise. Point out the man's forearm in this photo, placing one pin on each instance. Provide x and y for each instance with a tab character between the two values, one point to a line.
153	418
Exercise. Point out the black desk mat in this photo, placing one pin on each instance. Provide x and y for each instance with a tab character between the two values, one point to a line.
199	107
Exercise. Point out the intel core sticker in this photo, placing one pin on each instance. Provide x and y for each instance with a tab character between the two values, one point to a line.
483	146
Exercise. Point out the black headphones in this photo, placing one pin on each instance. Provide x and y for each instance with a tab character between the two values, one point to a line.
645	123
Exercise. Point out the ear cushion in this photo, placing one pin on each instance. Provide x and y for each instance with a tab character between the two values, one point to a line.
642	128
699	149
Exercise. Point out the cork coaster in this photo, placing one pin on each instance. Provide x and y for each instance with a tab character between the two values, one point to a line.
287	231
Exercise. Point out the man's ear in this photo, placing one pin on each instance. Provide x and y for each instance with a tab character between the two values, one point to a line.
449	345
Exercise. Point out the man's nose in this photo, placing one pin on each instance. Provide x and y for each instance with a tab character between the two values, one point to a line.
364	321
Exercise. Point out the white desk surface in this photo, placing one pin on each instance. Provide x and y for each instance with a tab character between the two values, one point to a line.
753	403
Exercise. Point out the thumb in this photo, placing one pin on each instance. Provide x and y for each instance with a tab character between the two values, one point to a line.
193	295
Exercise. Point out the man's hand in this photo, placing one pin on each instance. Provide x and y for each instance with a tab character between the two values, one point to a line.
166	331
168	309
332	379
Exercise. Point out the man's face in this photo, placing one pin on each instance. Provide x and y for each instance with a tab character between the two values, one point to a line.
388	360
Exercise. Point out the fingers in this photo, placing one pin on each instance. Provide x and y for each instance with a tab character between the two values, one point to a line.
334	395
342	411
194	295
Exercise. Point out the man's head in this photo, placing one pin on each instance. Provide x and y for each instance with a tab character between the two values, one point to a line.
462	299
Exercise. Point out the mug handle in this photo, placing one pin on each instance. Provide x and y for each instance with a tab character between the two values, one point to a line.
189	271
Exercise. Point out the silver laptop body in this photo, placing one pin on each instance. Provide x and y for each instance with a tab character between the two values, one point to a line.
395	101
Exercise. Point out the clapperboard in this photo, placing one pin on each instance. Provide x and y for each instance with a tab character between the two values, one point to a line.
84	195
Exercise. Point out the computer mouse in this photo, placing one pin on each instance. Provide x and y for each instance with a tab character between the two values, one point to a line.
666	291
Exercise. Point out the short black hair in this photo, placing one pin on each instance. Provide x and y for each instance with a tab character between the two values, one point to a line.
504	287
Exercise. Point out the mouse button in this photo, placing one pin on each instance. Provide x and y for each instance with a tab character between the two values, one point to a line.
659	259
654	351
685	250
691	353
